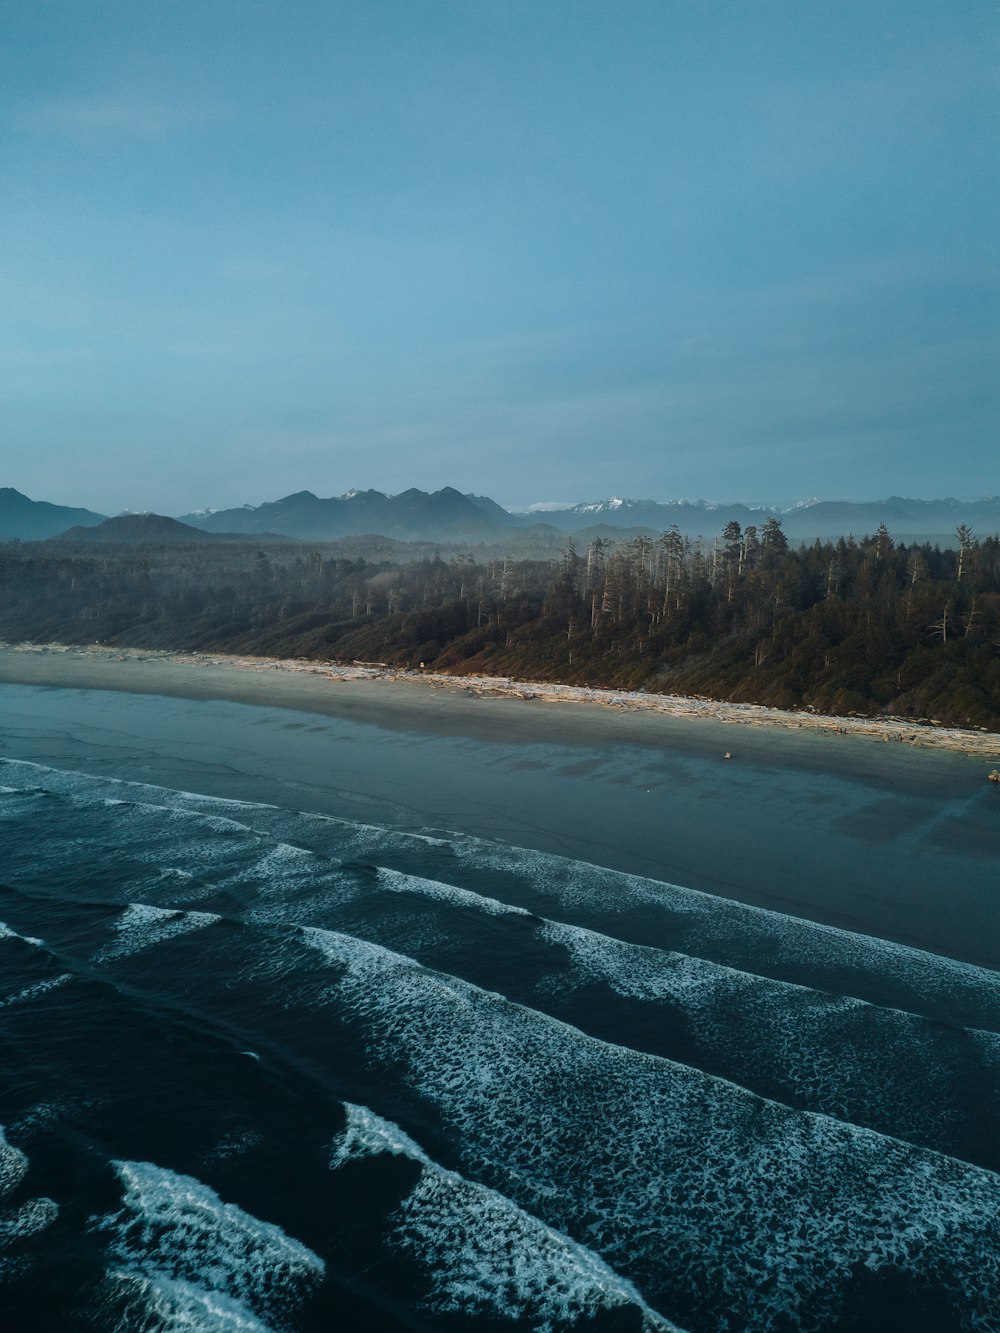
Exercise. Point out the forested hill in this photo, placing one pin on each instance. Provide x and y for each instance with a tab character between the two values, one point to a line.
869	627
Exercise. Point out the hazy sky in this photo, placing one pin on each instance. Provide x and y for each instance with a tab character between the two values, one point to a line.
541	249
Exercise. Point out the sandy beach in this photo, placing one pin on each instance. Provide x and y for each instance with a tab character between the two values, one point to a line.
380	692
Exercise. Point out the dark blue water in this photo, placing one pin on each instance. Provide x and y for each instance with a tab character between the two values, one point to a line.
266	1069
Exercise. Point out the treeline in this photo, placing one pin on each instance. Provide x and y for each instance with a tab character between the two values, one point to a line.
867	627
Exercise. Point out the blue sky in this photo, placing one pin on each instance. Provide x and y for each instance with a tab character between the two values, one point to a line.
540	249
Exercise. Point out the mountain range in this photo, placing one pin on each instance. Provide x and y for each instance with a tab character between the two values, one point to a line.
922	520
445	515
448	515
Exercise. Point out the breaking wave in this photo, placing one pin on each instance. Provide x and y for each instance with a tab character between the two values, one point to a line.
271	1070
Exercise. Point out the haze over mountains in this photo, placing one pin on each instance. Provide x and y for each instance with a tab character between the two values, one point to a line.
447	515
34	520
143	529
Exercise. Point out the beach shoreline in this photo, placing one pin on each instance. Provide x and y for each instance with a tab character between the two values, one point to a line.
809	819
136	670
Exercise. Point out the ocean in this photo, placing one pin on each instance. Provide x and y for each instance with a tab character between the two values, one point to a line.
294	1037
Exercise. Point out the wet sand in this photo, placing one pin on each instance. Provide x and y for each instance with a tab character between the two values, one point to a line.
891	839
450	704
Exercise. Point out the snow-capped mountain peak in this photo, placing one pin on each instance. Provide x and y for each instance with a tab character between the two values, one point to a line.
605	506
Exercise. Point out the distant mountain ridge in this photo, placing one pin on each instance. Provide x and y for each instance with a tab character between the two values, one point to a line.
808	520
152	530
34	520
23	519
412	515
134	529
448	515
830	518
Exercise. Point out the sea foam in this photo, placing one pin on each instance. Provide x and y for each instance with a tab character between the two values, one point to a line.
18	1221
708	1197
483	1256
741	935
35	991
197	1262
141	926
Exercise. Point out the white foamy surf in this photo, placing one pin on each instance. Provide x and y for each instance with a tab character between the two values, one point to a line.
569	1159
35	992
141	926
484	1257
195	1262
670	1174
18	1221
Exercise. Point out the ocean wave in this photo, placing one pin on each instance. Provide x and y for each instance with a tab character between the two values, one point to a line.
395	881
711	1199
194	1261
13	1165
26	1220
8	933
35	991
484	1257
628	907
161	1304
141	926
810	1046
814	1050
191	853
829	1053
754	939
19	1221
554	1156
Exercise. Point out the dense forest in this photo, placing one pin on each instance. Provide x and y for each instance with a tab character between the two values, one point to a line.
865	627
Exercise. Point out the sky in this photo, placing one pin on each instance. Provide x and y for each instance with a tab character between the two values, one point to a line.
543	250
